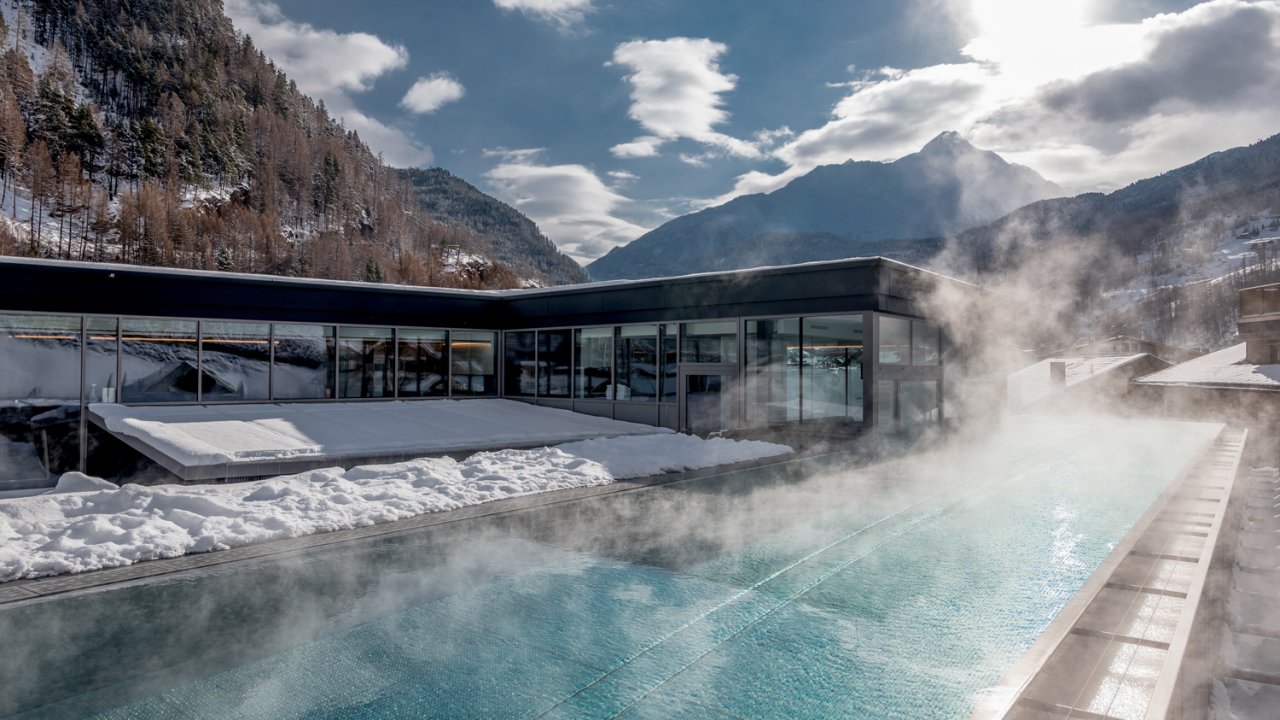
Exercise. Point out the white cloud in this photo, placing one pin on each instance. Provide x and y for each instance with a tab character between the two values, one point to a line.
1084	101
570	203
623	175
676	92
433	92
644	146
564	14
330	66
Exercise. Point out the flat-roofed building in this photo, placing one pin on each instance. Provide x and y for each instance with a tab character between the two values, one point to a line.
829	342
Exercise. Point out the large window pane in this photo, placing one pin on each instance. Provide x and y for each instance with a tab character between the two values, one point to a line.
159	360
710	342
636	351
39	398
235	361
555	358
895	341
100	360
472	354
670	360
422	362
304	362
365	362
925	343
886	396
593	371
773	371
832	359
918	403
519	370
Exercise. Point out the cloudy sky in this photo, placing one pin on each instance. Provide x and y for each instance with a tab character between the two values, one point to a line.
600	119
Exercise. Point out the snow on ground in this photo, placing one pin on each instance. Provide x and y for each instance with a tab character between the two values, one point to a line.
87	524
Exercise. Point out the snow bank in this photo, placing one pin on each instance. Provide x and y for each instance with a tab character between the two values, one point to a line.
67	531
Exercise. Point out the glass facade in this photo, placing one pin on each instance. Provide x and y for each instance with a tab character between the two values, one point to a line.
832	360
918	403
520	366
365	361
592	366
101	359
710	342
791	369
304	362
895	341
555	362
670	358
159	360
39	398
885	399
235	361
422	362
473	361
773	371
636	360
926	344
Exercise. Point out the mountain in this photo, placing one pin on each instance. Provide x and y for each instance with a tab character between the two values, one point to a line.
1160	258
151	132
836	211
514	238
1136	219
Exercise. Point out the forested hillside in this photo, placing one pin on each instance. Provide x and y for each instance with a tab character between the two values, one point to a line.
149	132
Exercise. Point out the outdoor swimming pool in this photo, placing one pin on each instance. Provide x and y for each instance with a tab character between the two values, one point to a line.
888	591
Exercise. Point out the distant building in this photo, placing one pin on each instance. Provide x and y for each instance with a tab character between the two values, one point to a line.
1239	384
1065	382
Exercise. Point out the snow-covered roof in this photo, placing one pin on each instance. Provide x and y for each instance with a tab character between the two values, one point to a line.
1032	383
1224	368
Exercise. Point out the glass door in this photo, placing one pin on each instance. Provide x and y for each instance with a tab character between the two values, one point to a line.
708	398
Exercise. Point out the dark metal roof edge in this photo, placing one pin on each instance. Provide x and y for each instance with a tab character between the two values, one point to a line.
277	280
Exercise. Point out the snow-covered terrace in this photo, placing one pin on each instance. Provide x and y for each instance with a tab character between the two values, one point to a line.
203	442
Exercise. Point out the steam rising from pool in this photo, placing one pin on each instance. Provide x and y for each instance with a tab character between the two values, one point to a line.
809	589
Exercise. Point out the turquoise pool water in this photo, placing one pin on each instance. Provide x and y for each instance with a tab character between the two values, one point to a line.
893	591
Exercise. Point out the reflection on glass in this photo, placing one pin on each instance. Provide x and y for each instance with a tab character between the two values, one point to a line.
925	343
235	361
555	356
670	359
593	370
773	371
918	402
472	354
304	362
832	360
159	360
39	398
710	342
519	371
365	362
100	355
422	362
636	360
886	395
895	340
